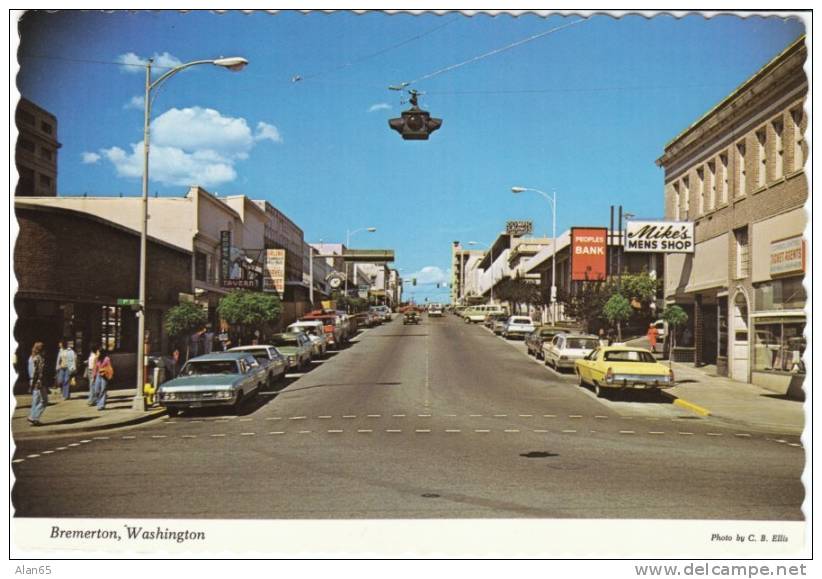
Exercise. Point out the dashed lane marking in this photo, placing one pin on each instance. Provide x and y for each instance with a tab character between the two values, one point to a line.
742	434
324	417
33	456
450	415
374	416
246	419
247	433
217	435
541	431
481	430
85	441
627	432
452	430
101	438
423	430
500	416
277	432
526	415
398	415
423	415
365	430
61	448
714	433
73	444
349	415
569	431
300	432
686	433
158	436
394	430
332	431
794	444
575	416
297	418
274	418
189	436
475	415
511	430
655	432
48	452
549	415
16	460
599	417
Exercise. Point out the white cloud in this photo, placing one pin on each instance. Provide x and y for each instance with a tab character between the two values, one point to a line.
430	274
136	102
162	62
192	146
268	132
90	158
379	107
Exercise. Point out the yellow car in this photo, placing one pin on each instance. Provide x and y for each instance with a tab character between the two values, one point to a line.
621	367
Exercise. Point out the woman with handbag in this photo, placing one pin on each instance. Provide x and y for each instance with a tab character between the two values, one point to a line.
91	374
105	372
39	390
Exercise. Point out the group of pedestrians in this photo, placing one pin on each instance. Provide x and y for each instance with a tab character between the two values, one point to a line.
99	372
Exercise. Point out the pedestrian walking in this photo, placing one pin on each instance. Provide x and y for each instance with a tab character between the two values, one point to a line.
39	391
91	374
208	340
65	368
105	372
652	335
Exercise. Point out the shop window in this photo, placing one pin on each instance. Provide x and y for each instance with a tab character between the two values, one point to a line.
741	172
779	346
780	294
762	157
722	328
741	239
111	326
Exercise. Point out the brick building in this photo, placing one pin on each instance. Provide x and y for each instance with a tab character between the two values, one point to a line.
71	268
738	174
35	155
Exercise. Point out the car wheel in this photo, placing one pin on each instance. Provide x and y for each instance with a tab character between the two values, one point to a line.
599	390
239	402
172	412
580	380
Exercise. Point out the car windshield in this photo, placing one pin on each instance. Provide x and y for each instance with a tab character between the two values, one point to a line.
205	367
629	356
286	340
582	343
548	333
526	321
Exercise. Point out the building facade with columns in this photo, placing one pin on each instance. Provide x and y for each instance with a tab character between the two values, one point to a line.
738	173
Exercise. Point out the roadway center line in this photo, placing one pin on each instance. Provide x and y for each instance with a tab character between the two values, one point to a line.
481	430
274	418
575	416
627	432
475	415
61	448
189	436
16	460
422	430
365	430
569	431
247	433
101	438
349	416
74	444
601	417
500	416
297	418
423	415
393	430
398	415
33	456
301	432
510	430
655	432
686	433
324	417
48	452
540	430
526	415
374	416
217	435
330	431
158	436
274	432
549	415
453	430
745	434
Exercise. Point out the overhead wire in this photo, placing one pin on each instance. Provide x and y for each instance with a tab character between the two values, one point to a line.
490	53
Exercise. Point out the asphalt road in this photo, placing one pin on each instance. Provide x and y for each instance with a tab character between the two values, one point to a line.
439	420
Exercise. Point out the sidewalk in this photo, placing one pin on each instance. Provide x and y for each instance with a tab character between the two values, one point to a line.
702	391
75	415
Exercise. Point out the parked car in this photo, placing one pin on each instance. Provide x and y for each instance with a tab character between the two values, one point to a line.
518	326
435	311
536	341
383	311
496	322
563	350
332	326
295	346
315	332
269	358
622	367
476	314
221	379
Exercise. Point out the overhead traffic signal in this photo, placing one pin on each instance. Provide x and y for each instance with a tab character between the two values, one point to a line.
415	124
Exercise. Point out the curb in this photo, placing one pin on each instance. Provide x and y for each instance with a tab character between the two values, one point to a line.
148	416
682	403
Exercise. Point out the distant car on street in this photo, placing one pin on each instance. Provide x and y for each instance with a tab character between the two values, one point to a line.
269	358
620	367
435	310
315	332
536	341
222	379
563	350
518	326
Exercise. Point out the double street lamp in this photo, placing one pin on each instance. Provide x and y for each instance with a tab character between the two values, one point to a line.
552	199
234	63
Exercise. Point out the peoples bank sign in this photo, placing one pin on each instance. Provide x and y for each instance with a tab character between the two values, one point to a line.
660	236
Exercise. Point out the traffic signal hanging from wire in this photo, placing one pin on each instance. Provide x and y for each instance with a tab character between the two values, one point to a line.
415	124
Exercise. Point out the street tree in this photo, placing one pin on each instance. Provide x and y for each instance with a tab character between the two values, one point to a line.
250	311
640	288
585	305
617	310
675	316
183	320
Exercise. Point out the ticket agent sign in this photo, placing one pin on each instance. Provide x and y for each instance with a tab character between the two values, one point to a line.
659	236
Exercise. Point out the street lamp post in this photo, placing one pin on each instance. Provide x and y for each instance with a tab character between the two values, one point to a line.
347	244
552	199
233	64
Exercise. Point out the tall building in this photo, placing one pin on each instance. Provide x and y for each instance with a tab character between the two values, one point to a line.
35	155
738	174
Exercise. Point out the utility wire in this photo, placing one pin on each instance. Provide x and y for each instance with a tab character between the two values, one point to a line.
491	53
87	61
298	78
574	90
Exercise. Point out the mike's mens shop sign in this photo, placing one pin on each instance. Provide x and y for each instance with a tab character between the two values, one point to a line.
660	236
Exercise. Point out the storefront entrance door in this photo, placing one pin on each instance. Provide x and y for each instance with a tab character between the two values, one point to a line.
740	337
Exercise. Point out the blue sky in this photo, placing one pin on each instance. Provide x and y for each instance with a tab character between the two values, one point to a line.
585	111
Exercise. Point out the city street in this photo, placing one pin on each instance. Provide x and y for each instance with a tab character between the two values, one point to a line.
437	420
